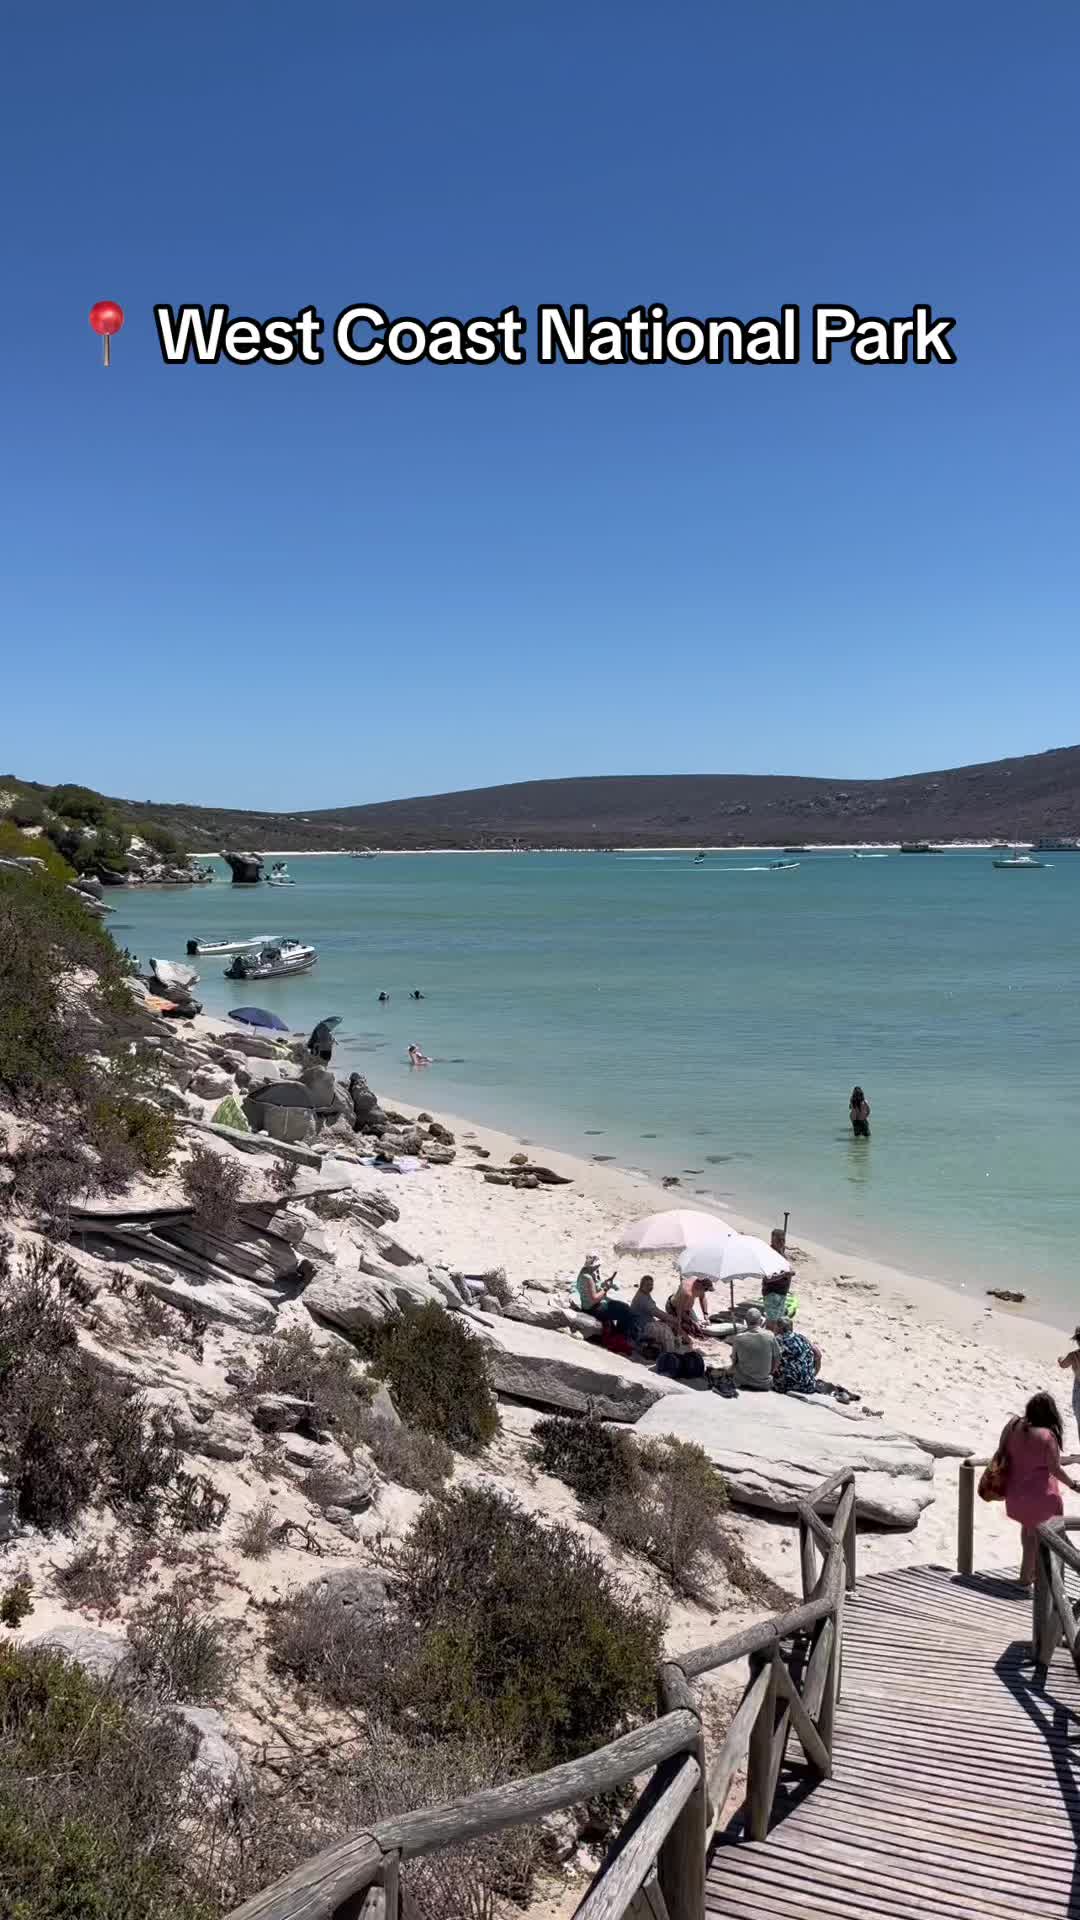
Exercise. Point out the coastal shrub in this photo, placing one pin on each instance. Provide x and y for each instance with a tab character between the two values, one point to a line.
79	803
99	1576
405	1455
523	1635
295	1363
163	842
181	1652
129	1134
342	1654
15	845
27	810
255	1535
16	1602
672	1513
436	1371
95	1799
69	1433
47	1031
214	1187
592	1459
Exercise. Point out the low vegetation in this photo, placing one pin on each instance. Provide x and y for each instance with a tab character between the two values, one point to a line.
70	1434
436	1371
295	1363
180	1651
502	1630
406	1455
214	1187
663	1499
255	1535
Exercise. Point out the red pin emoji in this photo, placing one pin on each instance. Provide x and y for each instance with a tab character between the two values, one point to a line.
106	318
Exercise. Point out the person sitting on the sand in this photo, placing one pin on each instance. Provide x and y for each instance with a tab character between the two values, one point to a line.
800	1360
591	1291
655	1327
755	1355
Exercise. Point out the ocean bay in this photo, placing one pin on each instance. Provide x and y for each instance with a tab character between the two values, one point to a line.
707	1021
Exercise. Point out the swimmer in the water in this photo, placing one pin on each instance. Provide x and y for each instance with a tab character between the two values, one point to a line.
416	1058
384	997
416	994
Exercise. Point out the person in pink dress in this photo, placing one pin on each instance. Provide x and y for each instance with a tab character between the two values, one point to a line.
1032	1446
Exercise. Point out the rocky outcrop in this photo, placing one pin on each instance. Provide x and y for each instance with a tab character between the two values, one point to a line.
775	1448
246	868
98	1653
566	1374
211	1752
368	1296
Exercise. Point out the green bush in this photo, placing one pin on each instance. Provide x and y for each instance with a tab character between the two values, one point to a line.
94	1800
295	1363
403	1454
27	810
131	1135
16	1602
79	803
214	1186
163	842
45	934
525	1637
436	1371
592	1459
70	1434
180	1651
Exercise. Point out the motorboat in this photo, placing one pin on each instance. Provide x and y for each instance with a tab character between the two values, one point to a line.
363	853
699	859
269	963
781	866
209	947
279	875
869	856
1019	863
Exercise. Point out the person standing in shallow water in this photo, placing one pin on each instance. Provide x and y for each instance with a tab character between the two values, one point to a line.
859	1109
1072	1361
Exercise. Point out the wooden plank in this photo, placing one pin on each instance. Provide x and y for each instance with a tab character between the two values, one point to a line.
759	1639
634	1853
732	1754
648	1902
812	1744
760	1785
680	1864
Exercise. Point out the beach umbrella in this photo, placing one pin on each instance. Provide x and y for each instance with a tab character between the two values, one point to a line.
259	1017
671	1231
731	1257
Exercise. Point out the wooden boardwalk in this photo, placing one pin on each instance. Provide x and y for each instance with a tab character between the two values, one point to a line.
956	1776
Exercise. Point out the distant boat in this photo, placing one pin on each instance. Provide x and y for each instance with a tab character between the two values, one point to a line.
918	846
698	859
781	866
869	856
284	956
233	946
1057	846
1022	862
363	853
279	875
793	849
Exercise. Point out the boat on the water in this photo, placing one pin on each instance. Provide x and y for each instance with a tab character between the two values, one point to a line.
869	856
279	875
918	846
269	963
363	853
253	945
780	866
1019	863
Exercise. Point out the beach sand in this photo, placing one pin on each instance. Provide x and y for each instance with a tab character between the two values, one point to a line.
935	1362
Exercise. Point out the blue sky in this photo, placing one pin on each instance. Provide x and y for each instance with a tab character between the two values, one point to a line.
315	586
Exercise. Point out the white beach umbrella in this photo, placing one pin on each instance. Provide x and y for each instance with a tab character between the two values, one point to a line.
671	1231
732	1256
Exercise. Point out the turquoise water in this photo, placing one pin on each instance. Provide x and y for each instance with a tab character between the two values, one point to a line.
709	1021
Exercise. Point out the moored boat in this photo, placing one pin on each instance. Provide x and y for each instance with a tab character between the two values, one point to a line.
279	875
253	945
1019	862
269	963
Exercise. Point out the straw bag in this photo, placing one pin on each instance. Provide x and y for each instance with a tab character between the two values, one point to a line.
994	1478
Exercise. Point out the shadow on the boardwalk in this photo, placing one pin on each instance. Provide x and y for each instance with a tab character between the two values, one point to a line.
1058	1723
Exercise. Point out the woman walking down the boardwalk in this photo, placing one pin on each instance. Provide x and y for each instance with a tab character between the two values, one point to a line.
859	1109
1072	1360
1031	1448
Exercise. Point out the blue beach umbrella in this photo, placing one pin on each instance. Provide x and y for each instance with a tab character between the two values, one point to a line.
258	1017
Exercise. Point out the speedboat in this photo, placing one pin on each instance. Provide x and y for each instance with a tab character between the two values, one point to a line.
779	866
363	853
281	957
279	875
1019	863
869	856
233	946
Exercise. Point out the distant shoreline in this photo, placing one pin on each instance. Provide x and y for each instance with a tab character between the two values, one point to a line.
823	846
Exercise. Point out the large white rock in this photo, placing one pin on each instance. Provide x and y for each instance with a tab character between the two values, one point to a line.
555	1370
773	1449
237	1303
356	1298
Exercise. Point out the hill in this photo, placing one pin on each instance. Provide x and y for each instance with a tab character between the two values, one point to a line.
1019	799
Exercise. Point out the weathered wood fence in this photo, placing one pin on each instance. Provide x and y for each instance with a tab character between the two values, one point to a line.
655	1867
1053	1612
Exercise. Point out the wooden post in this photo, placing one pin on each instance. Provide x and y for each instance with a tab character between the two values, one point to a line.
851	1550
1045	1630
965	1518
807	1559
680	1864
759	1764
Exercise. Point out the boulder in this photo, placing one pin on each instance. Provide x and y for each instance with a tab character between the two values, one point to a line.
253	1046
281	1412
382	1407
366	1297
209	1085
212	1753
775	1448
356	1590
324	1090
558	1371
537	1310
98	1653
234	1302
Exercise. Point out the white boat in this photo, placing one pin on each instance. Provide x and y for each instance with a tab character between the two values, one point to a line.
363	853
1019	863
784	866
283	956
204	947
279	876
869	856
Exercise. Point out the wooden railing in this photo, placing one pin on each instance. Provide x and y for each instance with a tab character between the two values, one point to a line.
965	1516
655	1868
1054	1616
